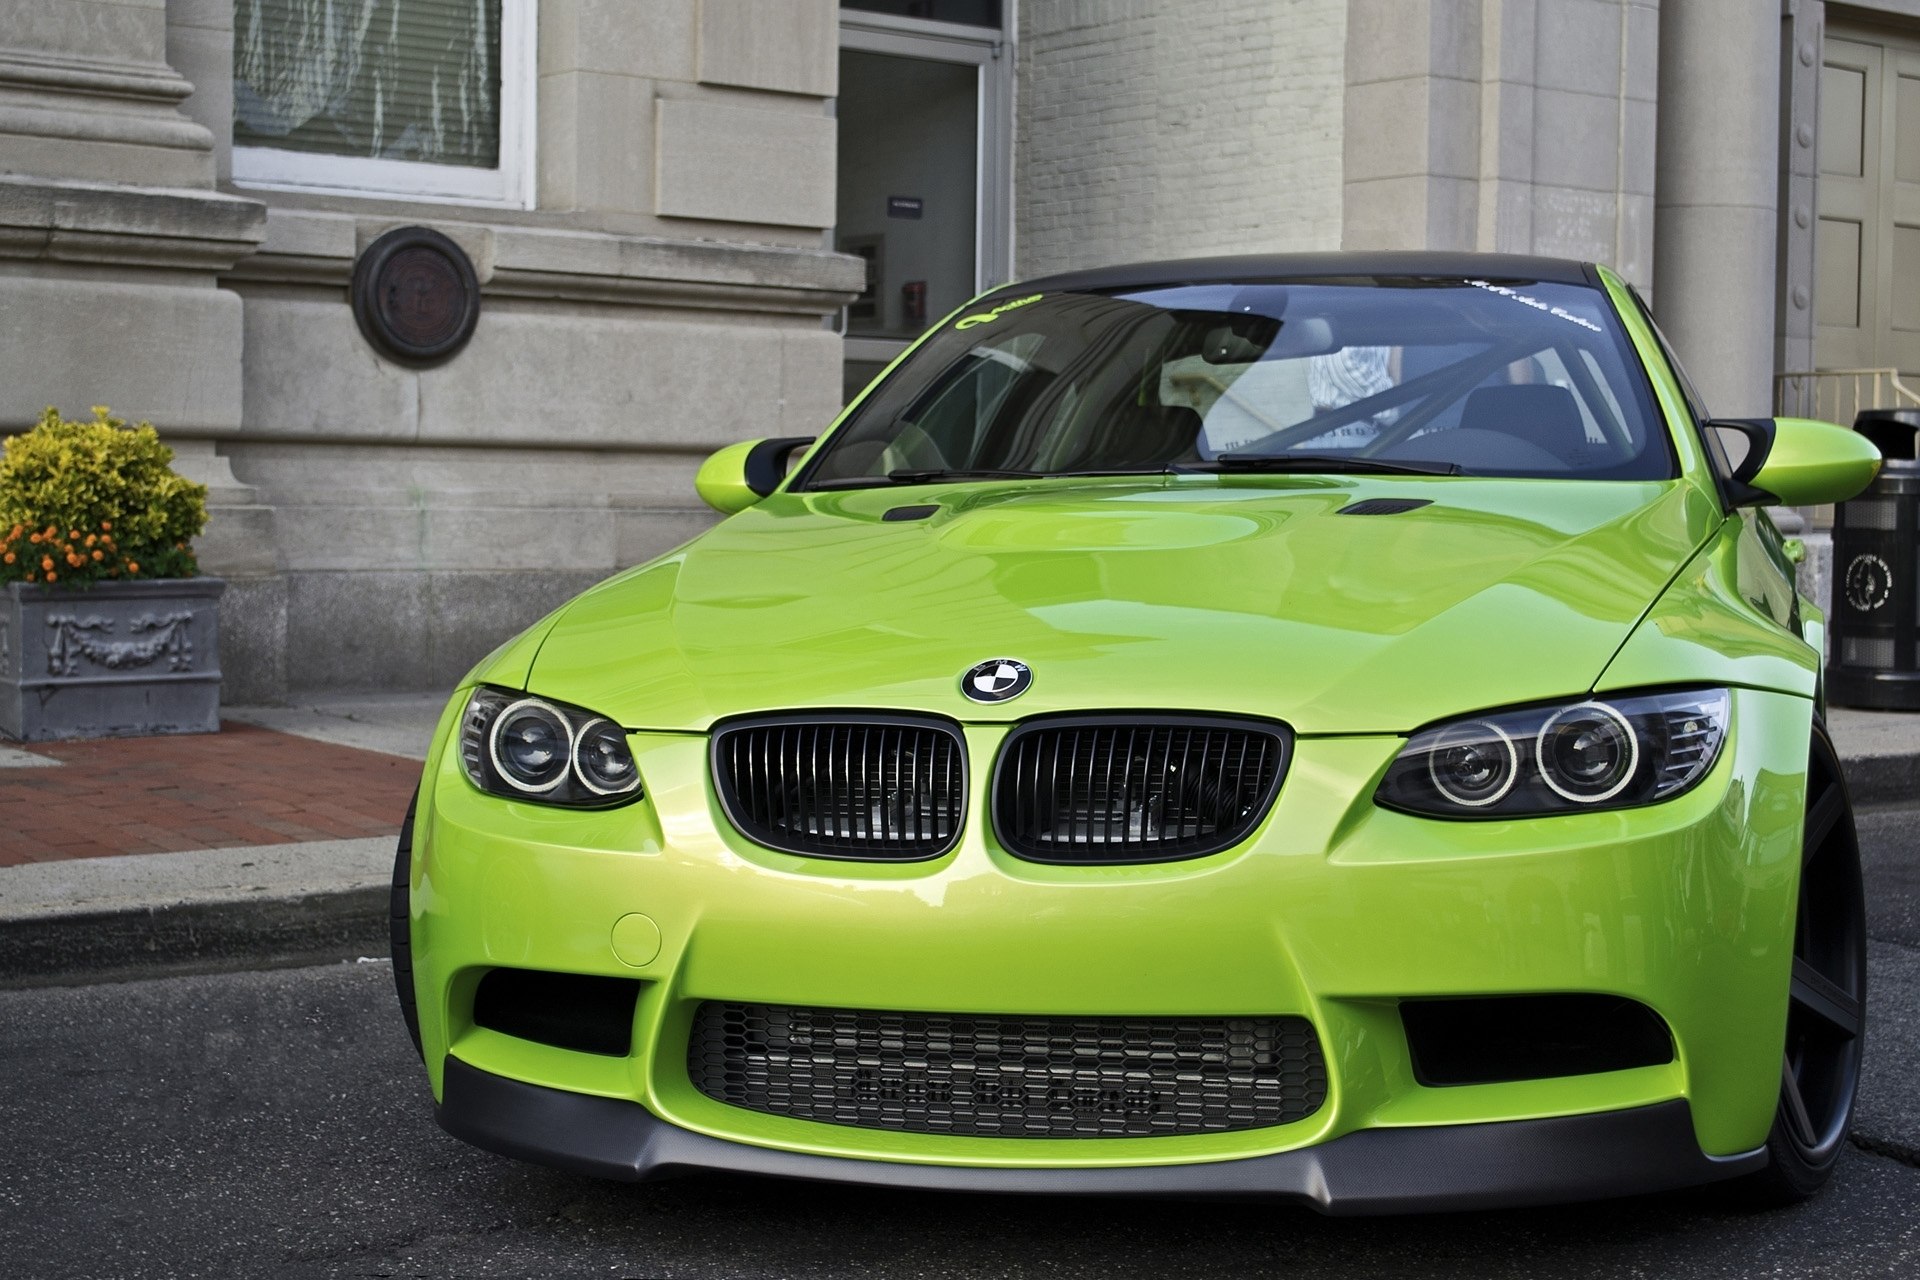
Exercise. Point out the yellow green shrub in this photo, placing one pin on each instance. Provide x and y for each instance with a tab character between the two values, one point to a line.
83	502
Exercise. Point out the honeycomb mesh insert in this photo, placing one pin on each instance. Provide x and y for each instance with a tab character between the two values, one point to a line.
1010	1077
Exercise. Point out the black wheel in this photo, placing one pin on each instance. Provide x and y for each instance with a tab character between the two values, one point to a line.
1826	1006
400	926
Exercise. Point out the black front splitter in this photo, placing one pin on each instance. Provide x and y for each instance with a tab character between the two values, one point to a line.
1406	1170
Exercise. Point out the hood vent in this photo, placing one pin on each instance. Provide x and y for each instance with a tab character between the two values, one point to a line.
1383	506
910	513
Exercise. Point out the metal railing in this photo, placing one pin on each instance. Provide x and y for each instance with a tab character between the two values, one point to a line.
1838	395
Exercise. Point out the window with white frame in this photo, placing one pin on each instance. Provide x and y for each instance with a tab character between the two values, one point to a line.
425	99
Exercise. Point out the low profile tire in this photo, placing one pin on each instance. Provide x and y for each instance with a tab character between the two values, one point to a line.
1826	999
400	925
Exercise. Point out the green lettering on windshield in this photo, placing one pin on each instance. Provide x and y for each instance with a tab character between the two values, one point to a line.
988	317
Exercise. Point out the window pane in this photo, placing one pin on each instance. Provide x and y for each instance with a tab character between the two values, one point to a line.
975	13
411	80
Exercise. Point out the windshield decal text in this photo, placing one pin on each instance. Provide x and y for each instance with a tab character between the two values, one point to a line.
1535	303
988	317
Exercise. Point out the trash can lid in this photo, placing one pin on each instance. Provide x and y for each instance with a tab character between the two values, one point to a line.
1894	432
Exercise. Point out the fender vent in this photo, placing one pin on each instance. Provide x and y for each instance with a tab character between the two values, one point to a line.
1383	506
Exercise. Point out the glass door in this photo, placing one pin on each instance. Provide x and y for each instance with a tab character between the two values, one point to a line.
922	191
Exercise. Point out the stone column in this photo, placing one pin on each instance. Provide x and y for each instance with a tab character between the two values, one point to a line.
1717	196
112	240
1510	126
1411	160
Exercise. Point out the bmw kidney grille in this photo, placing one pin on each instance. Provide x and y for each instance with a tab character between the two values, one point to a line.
861	788
1135	788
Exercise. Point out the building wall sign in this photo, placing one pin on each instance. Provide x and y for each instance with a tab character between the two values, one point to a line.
415	296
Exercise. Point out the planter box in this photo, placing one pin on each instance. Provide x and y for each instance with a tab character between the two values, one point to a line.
120	659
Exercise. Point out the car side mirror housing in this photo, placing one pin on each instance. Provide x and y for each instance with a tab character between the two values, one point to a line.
1795	462
741	474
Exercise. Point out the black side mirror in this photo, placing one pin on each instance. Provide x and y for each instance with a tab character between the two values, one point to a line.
1745	444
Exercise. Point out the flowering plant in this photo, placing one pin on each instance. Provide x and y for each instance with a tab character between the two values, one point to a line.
83	502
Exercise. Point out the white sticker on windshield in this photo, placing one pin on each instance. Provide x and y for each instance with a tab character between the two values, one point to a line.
1528	301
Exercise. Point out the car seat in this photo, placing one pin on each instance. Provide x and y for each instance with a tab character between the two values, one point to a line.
1545	417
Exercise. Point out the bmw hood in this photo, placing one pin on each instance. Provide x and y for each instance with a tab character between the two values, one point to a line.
1244	595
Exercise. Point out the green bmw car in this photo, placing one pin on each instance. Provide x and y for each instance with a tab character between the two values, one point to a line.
1336	728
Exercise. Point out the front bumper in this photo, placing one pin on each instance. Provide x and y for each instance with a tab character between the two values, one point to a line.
1335	910
1419	1170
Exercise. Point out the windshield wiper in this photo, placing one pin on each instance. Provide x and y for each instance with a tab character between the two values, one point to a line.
921	475
934	475
1310	462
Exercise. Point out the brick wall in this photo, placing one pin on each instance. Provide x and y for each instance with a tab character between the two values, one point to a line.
1147	130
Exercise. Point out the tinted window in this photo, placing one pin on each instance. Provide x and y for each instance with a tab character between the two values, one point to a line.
1510	378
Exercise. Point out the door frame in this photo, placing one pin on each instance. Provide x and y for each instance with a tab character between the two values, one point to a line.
990	53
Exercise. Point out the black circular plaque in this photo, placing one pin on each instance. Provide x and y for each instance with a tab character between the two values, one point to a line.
415	296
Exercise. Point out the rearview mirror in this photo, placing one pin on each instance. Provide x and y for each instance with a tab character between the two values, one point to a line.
741	474
1794	462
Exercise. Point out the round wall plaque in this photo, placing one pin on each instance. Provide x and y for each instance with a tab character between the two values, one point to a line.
415	296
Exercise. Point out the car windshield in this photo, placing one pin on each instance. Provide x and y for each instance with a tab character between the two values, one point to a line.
1474	377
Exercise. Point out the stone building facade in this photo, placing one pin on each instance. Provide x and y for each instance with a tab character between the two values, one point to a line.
707	220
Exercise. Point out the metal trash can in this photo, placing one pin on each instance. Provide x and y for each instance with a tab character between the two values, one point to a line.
1874	651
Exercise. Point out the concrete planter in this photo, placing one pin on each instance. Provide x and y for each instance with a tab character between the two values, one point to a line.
120	659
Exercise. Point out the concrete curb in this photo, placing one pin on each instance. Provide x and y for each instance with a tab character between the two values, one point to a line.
193	937
92	919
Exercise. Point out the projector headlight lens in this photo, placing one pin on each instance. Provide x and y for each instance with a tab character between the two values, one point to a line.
1599	753
523	747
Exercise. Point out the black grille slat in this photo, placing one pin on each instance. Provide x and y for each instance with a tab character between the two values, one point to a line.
982	1075
872	788
1117	789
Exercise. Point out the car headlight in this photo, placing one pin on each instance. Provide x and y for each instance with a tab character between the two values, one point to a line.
524	747
1599	753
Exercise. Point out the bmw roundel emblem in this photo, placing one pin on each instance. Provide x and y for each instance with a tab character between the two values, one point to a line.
996	680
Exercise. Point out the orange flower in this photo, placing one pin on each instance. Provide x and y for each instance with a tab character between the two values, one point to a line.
35	539
46	562
98	554
52	576
92	538
107	525
73	533
133	566
74	561
10	557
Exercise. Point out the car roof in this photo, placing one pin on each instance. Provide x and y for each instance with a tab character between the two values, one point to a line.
1287	266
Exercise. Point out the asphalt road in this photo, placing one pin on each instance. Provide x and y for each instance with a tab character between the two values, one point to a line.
277	1124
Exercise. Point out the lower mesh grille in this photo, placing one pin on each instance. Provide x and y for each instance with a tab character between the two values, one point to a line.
1018	1077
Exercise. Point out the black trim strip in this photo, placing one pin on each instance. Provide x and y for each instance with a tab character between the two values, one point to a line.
1401	1170
1307	266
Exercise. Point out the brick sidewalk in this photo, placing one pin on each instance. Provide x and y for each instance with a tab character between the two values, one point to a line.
241	786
